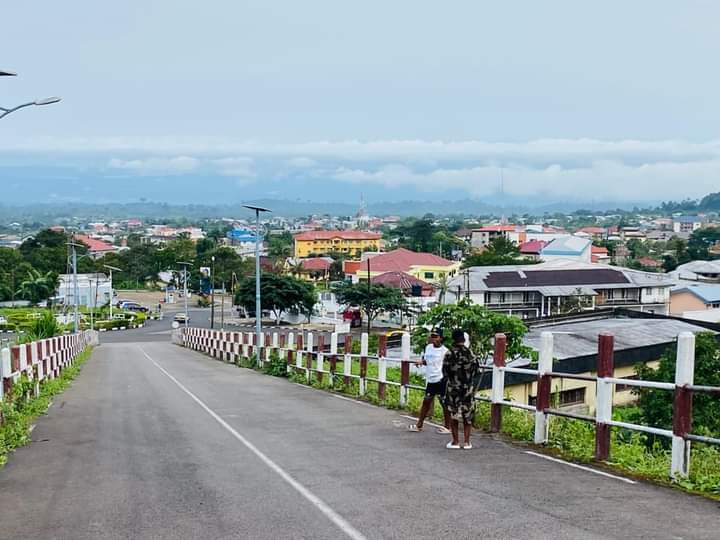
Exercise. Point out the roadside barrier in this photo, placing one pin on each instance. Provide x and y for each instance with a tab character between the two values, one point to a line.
303	354
40	360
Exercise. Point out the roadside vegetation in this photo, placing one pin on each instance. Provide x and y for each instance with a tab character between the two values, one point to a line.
20	409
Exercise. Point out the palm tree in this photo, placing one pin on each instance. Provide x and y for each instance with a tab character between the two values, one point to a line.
38	287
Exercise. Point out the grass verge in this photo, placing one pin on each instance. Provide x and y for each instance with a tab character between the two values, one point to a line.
20	411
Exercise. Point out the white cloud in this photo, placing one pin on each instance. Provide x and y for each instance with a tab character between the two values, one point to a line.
156	165
241	167
302	163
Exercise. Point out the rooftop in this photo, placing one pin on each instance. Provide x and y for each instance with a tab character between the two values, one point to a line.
343	235
710	294
403	260
94	244
566	245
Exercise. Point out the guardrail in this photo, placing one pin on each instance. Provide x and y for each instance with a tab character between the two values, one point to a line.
303	354
682	387
40	360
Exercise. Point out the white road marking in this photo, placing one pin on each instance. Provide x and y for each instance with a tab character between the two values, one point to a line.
333	516
588	469
426	422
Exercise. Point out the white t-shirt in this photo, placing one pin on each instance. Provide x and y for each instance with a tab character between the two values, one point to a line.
434	357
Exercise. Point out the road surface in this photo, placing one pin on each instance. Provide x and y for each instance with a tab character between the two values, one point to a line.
155	441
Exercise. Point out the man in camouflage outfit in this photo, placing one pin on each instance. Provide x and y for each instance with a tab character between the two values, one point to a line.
459	368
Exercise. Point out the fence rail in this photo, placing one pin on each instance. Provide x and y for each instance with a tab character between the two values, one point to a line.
41	360
305	355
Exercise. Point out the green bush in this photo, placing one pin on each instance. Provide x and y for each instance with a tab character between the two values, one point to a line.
277	367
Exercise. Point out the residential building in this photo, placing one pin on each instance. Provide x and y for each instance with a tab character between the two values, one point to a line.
705	271
242	241
560	286
311	269
600	255
424	266
636	340
532	249
409	285
481	238
687	224
94	290
649	263
96	248
687	297
350	243
596	233
567	247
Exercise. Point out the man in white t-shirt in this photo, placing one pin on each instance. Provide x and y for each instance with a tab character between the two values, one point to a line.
432	360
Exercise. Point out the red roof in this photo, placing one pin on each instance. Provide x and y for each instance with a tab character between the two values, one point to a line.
532	246
350	267
593	230
647	262
497	228
95	245
345	235
401	280
316	263
597	250
402	260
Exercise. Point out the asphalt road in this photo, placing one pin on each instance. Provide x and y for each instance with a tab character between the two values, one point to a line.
155	441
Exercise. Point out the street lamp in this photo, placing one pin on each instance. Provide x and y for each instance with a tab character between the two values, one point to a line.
4	73
212	292
76	292
185	291
38	102
111	268
258	305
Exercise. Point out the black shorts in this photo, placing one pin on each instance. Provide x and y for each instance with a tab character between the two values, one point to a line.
435	389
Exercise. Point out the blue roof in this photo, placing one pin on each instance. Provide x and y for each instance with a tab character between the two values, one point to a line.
689	219
710	294
241	235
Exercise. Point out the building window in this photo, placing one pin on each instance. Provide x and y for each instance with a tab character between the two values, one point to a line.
572	397
625	387
429	275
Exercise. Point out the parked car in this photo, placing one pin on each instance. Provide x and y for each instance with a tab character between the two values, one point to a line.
133	306
181	317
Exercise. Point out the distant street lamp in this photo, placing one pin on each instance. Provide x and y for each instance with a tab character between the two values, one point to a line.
4	73
47	101
111	268
185	290
212	292
258	305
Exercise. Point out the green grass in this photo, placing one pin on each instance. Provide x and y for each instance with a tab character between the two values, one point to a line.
20	412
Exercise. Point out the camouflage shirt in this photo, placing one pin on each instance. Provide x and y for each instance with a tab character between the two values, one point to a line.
460	368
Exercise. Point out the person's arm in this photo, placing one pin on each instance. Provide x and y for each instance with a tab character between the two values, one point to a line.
446	363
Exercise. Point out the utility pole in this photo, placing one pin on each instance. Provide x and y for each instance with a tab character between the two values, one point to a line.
185	289
369	292
111	268
222	308
258	304
212	293
76	291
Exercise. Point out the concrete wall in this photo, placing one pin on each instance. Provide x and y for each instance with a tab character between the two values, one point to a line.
685	301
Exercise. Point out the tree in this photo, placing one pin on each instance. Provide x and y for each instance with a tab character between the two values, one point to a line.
481	325
37	287
657	407
280	249
373	299
279	294
700	241
47	251
500	251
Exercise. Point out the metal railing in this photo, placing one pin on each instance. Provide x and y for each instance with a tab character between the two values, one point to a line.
303	354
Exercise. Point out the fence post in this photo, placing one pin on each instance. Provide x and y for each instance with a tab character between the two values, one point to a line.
299	351
333	356
404	368
4	369
682	405
275	343
362	387
320	358
544	384
498	383
266	347
308	362
347	362
603	409
382	367
289	354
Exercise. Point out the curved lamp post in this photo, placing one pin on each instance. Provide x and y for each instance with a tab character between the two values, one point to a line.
38	102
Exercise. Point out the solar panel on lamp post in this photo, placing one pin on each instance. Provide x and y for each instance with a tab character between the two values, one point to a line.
258	303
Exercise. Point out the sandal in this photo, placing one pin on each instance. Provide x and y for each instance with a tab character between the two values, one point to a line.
442	430
467	446
451	446
413	427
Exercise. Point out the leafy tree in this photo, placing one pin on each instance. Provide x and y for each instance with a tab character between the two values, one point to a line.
657	407
279	294
700	241
279	249
500	251
47	251
37	287
481	325
373	299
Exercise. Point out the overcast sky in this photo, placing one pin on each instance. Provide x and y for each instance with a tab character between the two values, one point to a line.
572	99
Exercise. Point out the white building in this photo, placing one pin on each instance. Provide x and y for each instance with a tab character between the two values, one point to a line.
94	290
568	247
